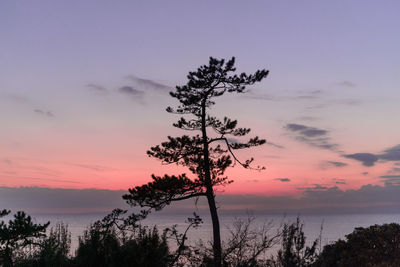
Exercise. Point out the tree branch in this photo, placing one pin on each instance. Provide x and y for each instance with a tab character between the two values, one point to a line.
245	165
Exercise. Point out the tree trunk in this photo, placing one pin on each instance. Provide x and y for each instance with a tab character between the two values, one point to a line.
210	193
8	261
216	230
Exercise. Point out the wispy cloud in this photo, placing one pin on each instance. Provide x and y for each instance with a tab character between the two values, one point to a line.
346	84
335	102
46	113
391	179
274	145
61	180
97	88
317	187
299	95
336	163
391	154
132	92
282	179
147	84
390	176
369	159
306	130
339	181
91	167
311	135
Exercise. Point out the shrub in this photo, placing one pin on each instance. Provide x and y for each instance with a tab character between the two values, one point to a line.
377	245
55	248
105	245
294	252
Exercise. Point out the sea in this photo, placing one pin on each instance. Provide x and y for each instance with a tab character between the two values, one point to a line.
330	227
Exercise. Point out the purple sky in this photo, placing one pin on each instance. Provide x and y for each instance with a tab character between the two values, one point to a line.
83	89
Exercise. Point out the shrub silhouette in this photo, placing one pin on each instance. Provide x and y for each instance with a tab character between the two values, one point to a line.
294	252
101	245
147	249
377	245
105	243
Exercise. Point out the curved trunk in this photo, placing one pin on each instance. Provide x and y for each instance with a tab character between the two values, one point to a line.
210	192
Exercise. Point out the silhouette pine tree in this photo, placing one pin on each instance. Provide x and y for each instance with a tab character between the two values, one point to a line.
206	157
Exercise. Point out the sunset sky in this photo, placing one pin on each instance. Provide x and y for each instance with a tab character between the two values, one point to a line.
84	86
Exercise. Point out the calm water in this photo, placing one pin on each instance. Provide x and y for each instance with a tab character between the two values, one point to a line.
334	226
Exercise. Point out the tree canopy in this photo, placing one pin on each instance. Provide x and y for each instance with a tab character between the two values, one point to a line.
377	245
19	233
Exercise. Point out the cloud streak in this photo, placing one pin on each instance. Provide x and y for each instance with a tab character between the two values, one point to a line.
369	159
306	130
313	188
339	181
391	179
62	180
274	145
346	84
311	135
132	92
97	88
129	90
147	84
92	167
284	180
44	113
304	95
334	102
337	164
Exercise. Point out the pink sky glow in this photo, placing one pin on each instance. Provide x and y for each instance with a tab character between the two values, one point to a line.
329	108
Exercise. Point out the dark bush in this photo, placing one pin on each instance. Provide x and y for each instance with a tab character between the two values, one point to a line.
377	245
55	248
98	247
293	251
107	246
147	249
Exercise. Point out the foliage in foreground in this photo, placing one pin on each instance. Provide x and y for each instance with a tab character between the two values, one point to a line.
101	246
111	242
377	245
19	237
294	251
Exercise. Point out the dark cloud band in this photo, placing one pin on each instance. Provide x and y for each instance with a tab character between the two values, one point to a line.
316	199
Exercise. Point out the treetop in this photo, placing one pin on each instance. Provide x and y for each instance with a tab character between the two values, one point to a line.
210	81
